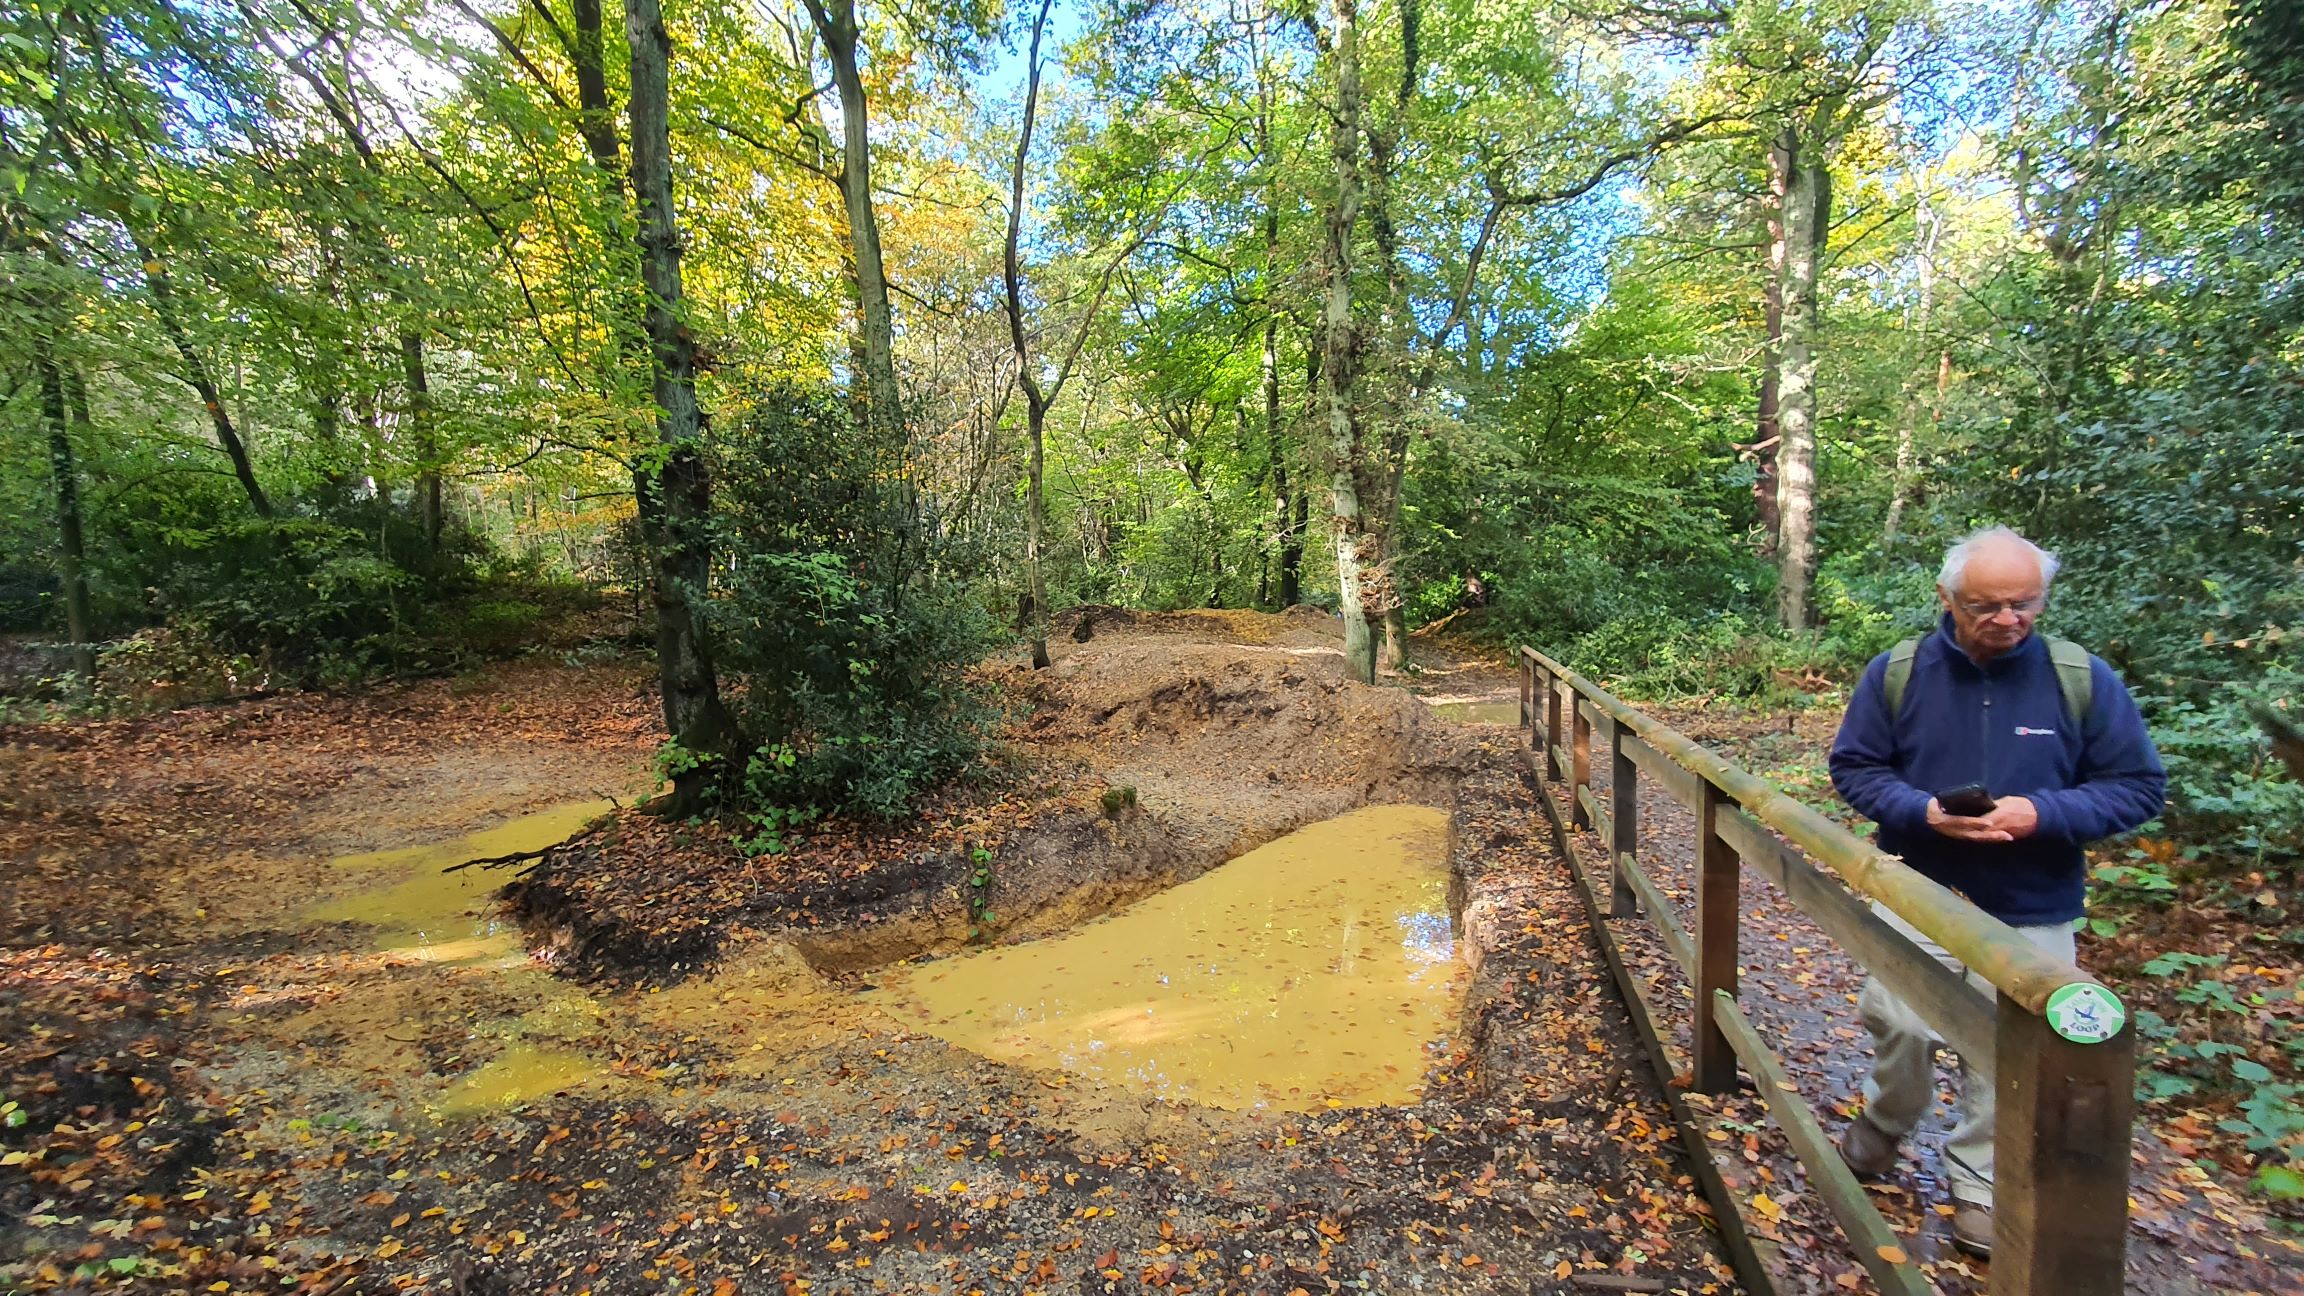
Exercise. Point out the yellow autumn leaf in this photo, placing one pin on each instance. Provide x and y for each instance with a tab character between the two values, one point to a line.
1892	1254
1767	1206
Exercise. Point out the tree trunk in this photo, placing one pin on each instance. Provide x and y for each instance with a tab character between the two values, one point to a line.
1395	398
1907	430
1292	549
595	118
1287	535
71	551
679	493
836	25
1767	434
1275	446
1036	528
428	498
196	374
1292	553
1349	524
1038	399
1807	205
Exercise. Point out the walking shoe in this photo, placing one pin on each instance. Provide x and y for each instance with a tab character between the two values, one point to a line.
1972	1229
1869	1150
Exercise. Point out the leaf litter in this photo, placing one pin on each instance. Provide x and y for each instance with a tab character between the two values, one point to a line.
221	1098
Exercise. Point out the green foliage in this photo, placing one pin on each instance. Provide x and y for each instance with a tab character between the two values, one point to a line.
981	918
1657	655
169	666
1866	605
843	641
2195	1059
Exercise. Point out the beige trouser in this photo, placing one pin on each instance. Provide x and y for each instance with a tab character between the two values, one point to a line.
1902	1085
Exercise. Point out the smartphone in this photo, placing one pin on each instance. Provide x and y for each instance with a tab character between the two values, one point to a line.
1970	800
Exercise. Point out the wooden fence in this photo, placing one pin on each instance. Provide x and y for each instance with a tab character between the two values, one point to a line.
2056	1044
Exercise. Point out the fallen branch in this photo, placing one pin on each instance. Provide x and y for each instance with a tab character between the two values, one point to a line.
1617	1282
1435	627
516	857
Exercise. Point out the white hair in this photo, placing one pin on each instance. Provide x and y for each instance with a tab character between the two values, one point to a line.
1956	558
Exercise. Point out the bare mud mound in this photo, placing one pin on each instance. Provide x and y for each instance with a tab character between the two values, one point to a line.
1151	755
1232	745
1301	626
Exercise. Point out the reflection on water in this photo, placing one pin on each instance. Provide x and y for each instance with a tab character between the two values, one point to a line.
1318	968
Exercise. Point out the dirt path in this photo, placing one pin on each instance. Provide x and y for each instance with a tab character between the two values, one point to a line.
225	1090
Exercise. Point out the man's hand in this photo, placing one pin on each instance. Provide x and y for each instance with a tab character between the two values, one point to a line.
2015	816
1976	828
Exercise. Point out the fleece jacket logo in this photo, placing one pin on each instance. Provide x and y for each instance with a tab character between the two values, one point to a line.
2026	731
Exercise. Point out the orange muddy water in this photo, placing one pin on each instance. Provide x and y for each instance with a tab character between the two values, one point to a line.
1318	970
418	912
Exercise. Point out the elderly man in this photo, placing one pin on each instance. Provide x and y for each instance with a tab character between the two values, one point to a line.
2062	758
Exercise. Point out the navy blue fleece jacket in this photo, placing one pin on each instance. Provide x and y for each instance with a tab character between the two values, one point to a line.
2001	723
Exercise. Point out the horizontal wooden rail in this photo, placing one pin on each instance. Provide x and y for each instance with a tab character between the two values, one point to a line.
1957	1009
1659	908
1828	1174
1601	823
2063	1079
2016	967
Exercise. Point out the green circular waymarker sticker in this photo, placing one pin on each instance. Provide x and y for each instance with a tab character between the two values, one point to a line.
2086	1013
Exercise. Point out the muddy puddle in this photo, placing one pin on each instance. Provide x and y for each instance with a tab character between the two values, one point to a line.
419	910
414	911
1318	970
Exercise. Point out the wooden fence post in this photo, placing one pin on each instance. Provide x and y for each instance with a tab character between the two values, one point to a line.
1527	690
1624	815
2060	1149
1580	758
1552	768
1717	869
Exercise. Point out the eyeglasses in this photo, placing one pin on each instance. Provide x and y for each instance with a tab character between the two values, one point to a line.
2022	607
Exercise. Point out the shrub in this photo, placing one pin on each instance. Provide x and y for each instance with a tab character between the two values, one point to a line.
843	644
1728	655
171	666
1866	605
852	697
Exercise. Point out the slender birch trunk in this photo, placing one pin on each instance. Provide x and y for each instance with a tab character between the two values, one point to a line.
1907	430
71	549
1767	434
1807	206
836	25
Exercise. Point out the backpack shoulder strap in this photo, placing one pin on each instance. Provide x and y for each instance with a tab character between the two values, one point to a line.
2075	677
1899	675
